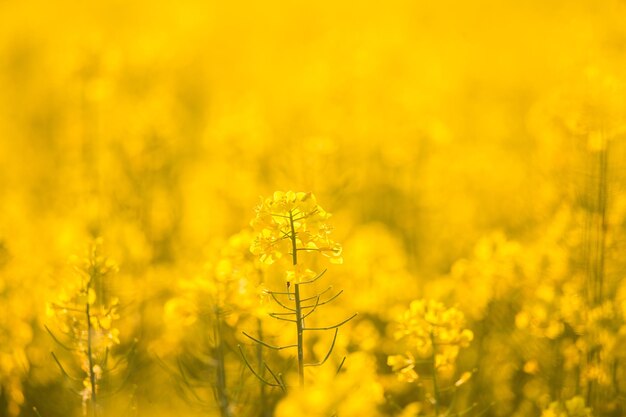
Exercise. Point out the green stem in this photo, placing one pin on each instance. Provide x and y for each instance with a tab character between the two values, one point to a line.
299	327
298	301
602	226
292	236
260	363
599	217
221	368
92	375
434	370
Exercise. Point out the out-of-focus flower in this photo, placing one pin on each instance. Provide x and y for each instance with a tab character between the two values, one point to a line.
353	392
86	319
574	407
429	324
403	366
436	334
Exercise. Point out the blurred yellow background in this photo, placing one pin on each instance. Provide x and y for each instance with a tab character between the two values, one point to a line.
470	152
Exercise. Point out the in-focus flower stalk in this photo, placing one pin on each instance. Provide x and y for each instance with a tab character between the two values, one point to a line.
292	226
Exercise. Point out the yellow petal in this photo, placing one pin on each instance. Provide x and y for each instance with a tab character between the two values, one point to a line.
105	322
91	296
463	379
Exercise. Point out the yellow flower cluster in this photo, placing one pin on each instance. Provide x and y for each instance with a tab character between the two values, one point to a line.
84	318
17	299
574	407
228	280
15	336
431	331
82	301
355	391
403	366
290	225
236	275
228	286
538	320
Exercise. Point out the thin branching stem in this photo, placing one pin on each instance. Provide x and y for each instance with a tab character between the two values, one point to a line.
63	371
277	317
312	280
330	287
90	358
324	302
434	371
468	410
343	360
268	345
333	326
281	293
280	303
330	350
66	308
313	309
260	363
253	371
69	349
279	381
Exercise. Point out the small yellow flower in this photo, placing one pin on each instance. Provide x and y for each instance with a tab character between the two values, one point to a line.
531	367
404	366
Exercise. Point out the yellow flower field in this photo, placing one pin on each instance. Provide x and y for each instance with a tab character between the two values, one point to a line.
323	209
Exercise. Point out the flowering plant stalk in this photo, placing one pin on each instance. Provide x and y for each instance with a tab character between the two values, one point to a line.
435	334
202	319
292	227
86	322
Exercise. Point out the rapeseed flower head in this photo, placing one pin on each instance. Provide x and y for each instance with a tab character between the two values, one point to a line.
227	285
431	331
70	308
426	318
85	317
289	224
